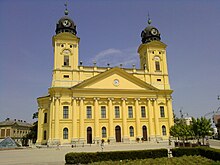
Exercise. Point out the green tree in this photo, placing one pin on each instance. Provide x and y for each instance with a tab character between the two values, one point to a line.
32	135
202	127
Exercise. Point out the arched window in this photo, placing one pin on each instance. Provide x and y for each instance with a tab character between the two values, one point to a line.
164	132
66	61
131	131
104	132
65	133
157	63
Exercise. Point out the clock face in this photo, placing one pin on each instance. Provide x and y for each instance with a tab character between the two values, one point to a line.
116	82
66	23
66	52
154	31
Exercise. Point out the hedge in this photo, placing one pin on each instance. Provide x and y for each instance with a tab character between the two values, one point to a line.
85	158
209	153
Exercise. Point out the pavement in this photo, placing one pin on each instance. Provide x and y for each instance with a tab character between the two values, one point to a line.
56	156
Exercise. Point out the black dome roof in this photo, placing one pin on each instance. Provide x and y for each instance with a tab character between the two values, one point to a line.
149	34
65	24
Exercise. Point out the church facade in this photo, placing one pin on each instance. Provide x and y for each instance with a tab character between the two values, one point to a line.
86	104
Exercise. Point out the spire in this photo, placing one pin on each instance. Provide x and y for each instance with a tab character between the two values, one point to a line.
148	19
66	11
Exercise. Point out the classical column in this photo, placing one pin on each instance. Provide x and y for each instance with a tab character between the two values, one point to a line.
50	119
150	120
39	127
156	118
56	139
124	120
110	120
74	120
96	118
137	116
170	112
81	120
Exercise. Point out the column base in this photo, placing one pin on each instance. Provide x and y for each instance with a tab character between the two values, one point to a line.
111	140
81	140
125	140
97	140
55	142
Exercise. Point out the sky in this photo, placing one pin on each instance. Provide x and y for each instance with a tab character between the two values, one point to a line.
109	32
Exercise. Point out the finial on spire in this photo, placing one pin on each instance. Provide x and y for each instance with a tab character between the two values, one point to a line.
149	20
66	11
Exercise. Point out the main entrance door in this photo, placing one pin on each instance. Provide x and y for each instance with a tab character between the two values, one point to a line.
89	135
118	133
144	128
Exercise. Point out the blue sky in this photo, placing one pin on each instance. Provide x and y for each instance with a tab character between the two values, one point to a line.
109	32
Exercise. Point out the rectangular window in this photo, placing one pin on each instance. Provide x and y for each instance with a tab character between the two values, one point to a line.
89	112
103	112
157	65
2	132
8	132
162	114
130	112
66	61
117	112
65	112
66	76
45	117
143	112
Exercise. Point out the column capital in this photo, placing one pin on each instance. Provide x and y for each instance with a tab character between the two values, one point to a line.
56	98
75	98
110	98
151	99
170	98
124	98
96	98
81	98
137	99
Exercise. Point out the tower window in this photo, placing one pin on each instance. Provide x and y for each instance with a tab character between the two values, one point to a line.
62	45
157	65
158	79
66	61
71	46
66	76
45	117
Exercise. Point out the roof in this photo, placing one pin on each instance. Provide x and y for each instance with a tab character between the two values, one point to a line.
9	122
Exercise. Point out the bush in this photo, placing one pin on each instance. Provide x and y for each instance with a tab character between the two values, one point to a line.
209	153
84	158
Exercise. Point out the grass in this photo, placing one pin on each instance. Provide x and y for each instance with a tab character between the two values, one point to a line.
185	160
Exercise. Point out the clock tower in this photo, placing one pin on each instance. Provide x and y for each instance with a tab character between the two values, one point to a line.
65	44
152	53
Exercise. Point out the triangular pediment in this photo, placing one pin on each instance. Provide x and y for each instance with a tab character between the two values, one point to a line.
115	79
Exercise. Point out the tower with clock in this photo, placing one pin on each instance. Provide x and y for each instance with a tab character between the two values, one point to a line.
90	104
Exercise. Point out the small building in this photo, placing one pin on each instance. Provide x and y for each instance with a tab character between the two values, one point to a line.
216	119
15	129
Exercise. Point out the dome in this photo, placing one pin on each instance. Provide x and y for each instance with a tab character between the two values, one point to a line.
150	33
65	24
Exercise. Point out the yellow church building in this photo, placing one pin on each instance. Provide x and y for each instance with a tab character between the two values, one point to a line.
86	104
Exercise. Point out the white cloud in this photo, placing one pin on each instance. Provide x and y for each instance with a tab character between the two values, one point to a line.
115	57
